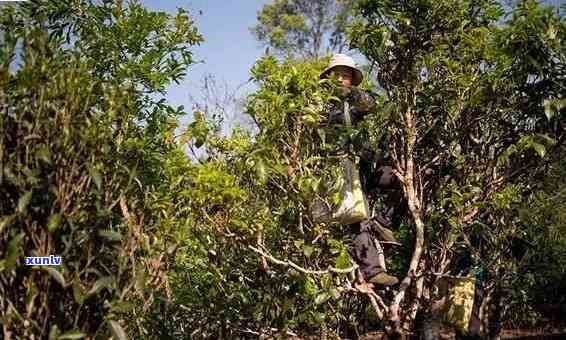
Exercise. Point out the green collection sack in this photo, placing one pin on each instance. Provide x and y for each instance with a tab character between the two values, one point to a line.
460	302
353	206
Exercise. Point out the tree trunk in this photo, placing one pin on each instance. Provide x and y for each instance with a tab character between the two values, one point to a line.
410	182
496	314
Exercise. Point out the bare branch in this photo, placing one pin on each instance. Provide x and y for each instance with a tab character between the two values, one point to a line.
295	266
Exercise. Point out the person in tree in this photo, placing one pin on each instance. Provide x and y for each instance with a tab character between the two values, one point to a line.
377	178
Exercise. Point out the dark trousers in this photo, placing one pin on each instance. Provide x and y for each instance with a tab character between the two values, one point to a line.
363	248
375	181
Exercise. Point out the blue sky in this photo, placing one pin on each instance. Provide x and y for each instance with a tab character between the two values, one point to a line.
229	49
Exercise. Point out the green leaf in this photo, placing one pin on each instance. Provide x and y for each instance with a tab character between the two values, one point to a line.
122	307
336	198
322	134
24	201
55	274
199	141
279	168
539	148
548	109
117	330
343	260
321	298
44	154
309	287
13	252
96	176
54	333
334	293
141	279
309	119
546	139
72	335
78	292
110	235
53	222
6	220
261	171
308	250
101	283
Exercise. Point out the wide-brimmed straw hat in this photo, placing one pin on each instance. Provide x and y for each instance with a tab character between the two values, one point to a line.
344	60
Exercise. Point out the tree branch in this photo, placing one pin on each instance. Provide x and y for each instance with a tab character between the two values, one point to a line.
295	266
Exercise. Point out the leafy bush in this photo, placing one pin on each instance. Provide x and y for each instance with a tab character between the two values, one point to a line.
84	151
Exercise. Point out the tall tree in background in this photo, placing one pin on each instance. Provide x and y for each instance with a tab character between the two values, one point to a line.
307	28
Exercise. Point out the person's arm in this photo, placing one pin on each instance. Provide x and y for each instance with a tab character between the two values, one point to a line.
395	207
387	179
362	103
335	115
362	100
386	183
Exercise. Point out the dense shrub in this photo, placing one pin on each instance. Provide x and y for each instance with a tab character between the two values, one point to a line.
84	153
